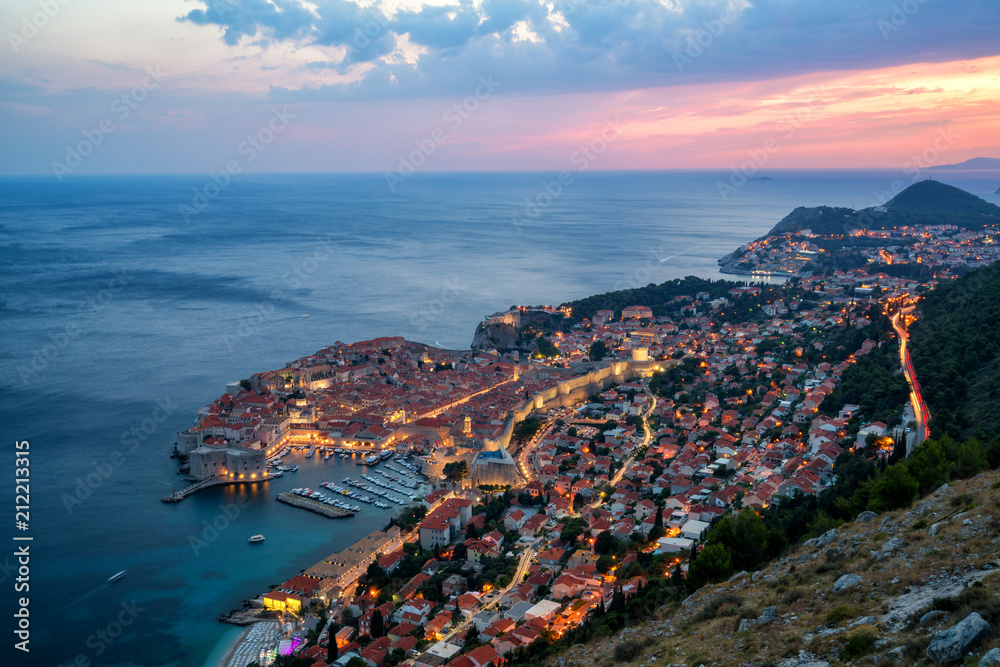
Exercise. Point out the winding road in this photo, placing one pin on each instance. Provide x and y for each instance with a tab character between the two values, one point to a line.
920	411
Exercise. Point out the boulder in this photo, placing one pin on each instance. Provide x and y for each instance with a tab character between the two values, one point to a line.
954	643
936	527
803	659
866	516
865	620
991	659
897	654
932	616
769	615
826	538
846	582
891	545
746	624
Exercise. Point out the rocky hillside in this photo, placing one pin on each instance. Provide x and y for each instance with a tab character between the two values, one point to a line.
498	336
915	586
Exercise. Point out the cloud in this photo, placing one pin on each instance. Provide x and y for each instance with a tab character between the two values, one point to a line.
585	45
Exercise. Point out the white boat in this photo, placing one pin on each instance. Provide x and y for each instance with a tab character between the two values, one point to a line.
254	539
116	577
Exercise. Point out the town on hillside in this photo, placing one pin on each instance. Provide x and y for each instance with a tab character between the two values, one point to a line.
563	480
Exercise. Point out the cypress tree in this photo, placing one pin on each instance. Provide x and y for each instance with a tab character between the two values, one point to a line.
332	651
378	625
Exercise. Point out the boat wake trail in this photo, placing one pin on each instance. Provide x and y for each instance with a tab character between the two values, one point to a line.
97	589
667	259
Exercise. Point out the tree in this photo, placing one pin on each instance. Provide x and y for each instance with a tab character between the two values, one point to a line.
712	565
572	529
657	531
460	552
745	537
456	471
246	384
332	650
605	543
377	625
598	350
605	563
545	348
356	662
895	488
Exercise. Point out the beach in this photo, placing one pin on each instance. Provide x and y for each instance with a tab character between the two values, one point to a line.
261	636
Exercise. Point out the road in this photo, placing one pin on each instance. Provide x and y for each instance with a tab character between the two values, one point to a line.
627	463
522	569
525	468
916	398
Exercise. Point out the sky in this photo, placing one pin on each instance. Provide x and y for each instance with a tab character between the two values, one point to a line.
395	86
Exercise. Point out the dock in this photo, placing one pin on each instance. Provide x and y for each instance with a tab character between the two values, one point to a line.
178	496
313	506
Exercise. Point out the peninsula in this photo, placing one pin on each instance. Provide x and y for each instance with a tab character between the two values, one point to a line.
583	473
614	453
928	229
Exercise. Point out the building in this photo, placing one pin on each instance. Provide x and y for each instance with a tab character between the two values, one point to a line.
637	312
442	526
694	530
232	462
494	466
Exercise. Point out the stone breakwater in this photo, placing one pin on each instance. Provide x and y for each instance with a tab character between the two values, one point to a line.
313	506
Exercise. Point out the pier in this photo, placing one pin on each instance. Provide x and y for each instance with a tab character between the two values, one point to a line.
313	506
220	480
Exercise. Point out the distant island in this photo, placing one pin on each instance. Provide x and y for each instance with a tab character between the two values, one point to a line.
974	163
927	230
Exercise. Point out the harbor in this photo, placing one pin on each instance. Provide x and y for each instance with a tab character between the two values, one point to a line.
388	483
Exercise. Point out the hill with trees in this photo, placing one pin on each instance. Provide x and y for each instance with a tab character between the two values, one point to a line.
923	203
955	348
660	298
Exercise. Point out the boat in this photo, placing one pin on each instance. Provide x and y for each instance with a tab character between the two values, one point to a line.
254	539
116	577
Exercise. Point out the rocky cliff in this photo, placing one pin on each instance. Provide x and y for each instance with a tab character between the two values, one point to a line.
912	586
498	336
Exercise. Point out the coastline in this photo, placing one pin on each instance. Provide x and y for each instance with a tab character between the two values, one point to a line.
226	647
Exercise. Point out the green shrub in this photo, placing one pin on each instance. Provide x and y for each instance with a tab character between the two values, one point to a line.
627	650
859	642
841	613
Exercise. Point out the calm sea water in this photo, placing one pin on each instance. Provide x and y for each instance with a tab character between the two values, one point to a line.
119	314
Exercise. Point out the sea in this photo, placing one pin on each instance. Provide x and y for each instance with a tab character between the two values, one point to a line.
128	302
